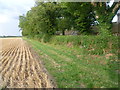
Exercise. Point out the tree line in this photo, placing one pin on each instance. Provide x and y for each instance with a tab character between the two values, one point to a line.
47	18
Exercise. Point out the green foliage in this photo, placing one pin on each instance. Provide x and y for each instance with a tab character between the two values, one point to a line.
41	19
22	25
82	15
38	37
73	68
48	18
105	14
46	38
97	45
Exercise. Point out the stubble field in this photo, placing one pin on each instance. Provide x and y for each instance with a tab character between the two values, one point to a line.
18	67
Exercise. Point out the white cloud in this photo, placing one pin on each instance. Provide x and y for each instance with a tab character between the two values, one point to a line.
16	7
3	19
9	14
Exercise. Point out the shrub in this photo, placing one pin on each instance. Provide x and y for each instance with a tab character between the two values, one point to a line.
92	44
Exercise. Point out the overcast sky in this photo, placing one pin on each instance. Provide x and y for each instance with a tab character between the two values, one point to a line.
9	15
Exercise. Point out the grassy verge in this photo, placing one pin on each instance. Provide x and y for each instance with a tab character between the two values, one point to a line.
96	45
72	67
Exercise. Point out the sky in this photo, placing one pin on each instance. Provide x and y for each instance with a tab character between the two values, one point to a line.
10	10
9	15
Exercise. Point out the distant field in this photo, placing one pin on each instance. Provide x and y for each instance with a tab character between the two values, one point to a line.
10	36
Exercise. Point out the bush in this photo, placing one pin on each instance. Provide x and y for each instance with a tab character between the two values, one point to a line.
92	44
43	37
38	37
46	38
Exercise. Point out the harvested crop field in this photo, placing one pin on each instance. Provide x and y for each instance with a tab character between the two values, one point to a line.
18	66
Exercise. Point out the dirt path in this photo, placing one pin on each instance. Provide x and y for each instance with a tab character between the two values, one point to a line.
18	67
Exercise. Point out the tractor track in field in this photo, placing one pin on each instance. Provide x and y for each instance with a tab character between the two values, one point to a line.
19	68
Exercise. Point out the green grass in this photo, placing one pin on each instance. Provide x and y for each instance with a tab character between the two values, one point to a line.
73	67
96	45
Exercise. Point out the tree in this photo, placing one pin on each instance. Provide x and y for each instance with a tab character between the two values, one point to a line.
104	14
22	25
41	19
82	15
63	19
